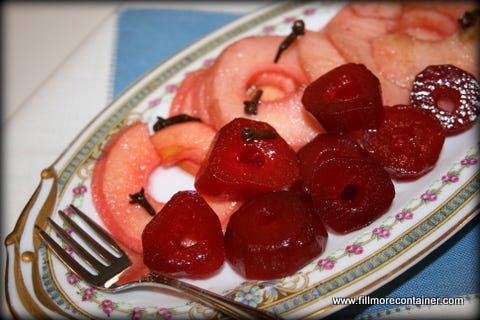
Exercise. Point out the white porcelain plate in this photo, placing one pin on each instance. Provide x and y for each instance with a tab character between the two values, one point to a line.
424	214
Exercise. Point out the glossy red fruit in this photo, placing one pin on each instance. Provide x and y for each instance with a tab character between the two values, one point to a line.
346	98
185	238
273	235
407	143
238	169
450	93
322	148
350	193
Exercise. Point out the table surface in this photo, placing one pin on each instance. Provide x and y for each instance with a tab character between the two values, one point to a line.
45	44
39	37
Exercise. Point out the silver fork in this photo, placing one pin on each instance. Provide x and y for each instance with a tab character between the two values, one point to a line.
107	273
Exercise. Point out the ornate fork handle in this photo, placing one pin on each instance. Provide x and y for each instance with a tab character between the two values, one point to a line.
229	307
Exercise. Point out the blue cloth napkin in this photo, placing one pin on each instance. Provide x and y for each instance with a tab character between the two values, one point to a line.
147	37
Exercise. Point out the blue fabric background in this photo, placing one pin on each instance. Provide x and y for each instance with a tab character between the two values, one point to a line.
147	37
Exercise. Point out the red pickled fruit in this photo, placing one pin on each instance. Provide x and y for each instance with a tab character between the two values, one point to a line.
184	239
407	143
346	98
322	148
350	193
238	169
355	29
450	93
273	235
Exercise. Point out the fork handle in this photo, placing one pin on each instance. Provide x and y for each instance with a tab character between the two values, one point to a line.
229	307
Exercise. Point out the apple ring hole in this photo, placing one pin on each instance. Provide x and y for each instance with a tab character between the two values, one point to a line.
274	84
164	182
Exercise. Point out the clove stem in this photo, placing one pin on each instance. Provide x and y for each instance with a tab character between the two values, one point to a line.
165	122
298	29
251	106
250	134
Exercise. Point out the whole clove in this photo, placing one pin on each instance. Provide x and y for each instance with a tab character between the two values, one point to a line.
298	29
251	106
140	198
165	122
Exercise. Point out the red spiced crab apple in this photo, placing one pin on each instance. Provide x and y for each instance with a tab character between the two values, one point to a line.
349	193
246	158
185	238
407	143
273	235
322	148
345	98
450	93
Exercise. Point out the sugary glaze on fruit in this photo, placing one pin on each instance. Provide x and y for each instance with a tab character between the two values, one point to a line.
393	41
184	144
238	72
123	169
398	40
273	234
450	93
407	143
345	98
237	168
322	148
350	193
185	238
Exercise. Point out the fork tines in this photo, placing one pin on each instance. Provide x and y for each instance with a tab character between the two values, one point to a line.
110	262
98	230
